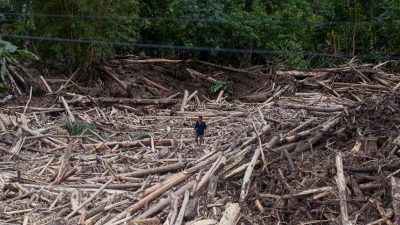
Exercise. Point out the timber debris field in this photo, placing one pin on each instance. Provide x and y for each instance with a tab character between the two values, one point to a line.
281	147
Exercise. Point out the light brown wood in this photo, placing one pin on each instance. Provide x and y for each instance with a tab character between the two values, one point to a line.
341	183
231	214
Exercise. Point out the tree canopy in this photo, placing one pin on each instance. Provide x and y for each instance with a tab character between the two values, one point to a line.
282	29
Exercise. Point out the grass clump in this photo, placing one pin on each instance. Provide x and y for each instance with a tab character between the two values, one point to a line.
77	128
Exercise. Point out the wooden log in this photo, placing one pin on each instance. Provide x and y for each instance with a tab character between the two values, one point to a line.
356	189
173	96
264	129
361	86
235	160
92	220
192	208
18	156
231	214
179	219
156	186
301	126
301	147
259	206
260	97
289	159
191	96
140	204
328	88
276	95
132	144
156	170
229	68
115	78
212	187
5	120
111	186
203	222
184	101
54	203
341	183
64	161
396	87
370	186
204	180
154	84
173	213
102	208
148	221
362	76
250	168
395	183
71	116
6	99
313	108
221	93
89	199
299	194
136	101
166	201
46	85
295	73
163	203
194	73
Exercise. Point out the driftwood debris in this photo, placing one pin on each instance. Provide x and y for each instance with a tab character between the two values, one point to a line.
341	183
395	183
231	214
315	147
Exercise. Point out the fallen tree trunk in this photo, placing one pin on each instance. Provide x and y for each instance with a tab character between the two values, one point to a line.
137	206
115	78
361	86
156	170
132	144
137	101
302	146
296	73
313	108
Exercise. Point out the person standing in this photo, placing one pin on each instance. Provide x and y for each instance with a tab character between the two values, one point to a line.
200	129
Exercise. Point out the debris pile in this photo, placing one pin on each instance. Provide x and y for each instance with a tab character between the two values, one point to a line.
317	147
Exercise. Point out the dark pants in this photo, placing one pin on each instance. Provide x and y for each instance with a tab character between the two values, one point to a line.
201	137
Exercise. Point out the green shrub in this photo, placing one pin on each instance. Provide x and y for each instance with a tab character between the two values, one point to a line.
221	86
78	128
9	54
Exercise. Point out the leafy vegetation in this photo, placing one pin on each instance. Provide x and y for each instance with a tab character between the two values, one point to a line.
283	28
8	55
220	85
82	20
78	127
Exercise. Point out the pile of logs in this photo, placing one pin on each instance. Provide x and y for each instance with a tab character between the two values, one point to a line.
320	150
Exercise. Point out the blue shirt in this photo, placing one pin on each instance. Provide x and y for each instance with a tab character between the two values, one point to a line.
200	127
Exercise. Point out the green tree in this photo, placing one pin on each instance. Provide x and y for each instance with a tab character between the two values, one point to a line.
327	26
89	20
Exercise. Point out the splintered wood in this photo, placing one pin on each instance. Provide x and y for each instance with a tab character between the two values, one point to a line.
317	147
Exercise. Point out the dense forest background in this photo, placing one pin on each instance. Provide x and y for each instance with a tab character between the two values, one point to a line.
302	33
